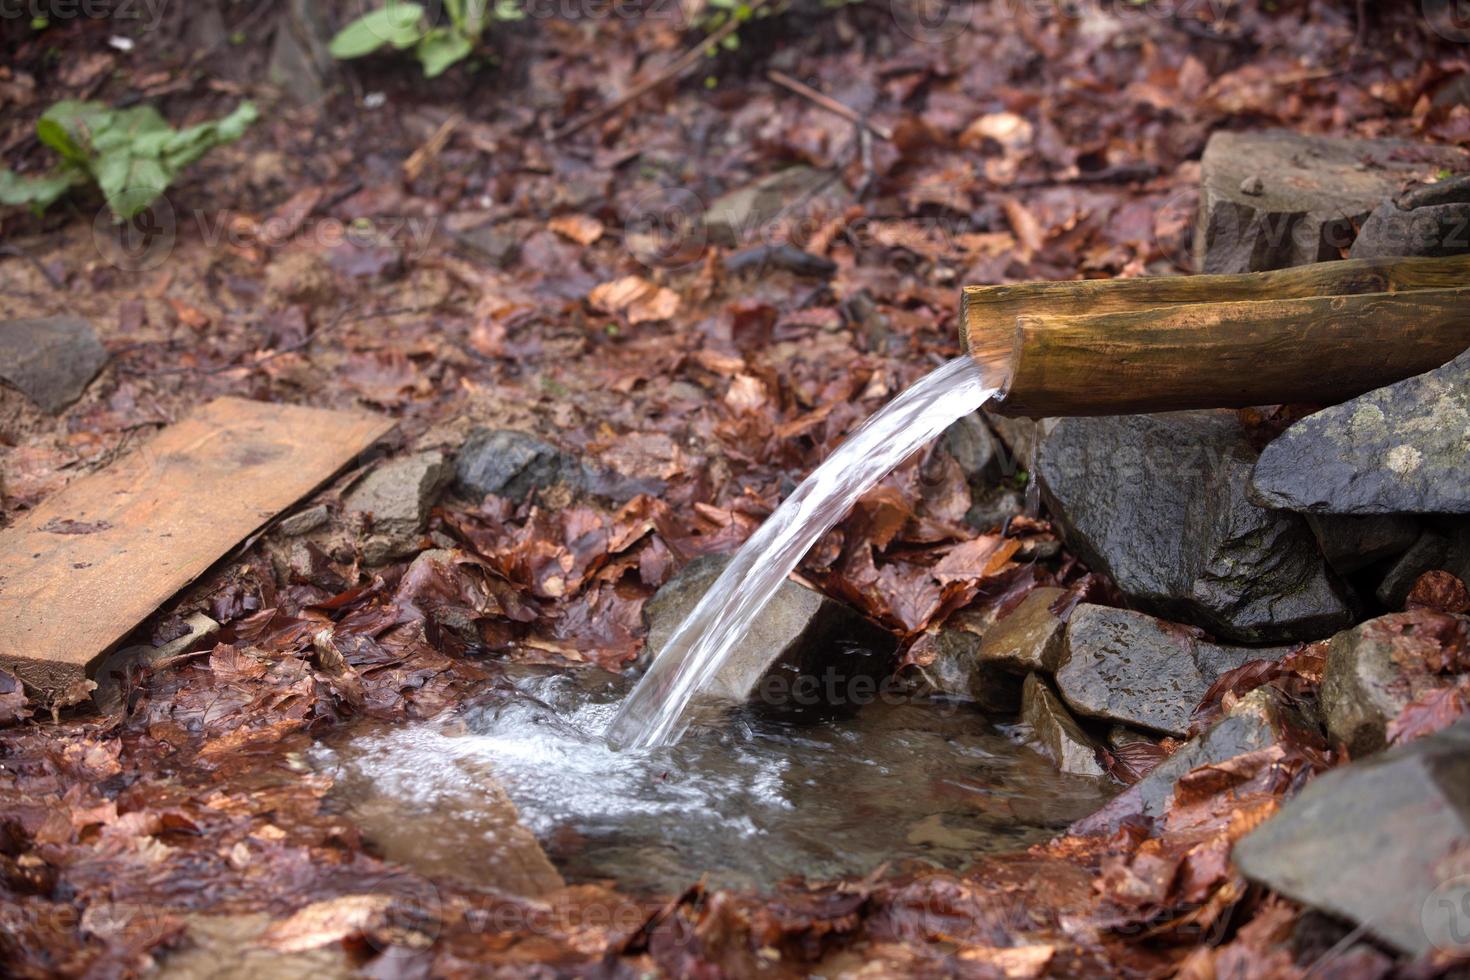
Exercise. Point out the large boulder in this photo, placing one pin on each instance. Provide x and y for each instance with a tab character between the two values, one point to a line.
1125	666
1378	842
1400	449
1274	199
50	359
1158	503
1257	720
805	654
1375	670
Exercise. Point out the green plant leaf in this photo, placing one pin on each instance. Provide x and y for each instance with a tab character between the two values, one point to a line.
38	192
131	154
441	48
398	24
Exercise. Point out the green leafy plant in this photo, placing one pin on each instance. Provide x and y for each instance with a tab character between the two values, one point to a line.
407	25
132	154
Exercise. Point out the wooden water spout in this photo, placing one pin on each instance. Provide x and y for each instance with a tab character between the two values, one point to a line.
1320	333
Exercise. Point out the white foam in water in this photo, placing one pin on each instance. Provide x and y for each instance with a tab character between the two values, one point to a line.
657	711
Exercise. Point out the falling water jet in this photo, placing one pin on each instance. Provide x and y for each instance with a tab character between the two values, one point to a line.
658	709
1321	333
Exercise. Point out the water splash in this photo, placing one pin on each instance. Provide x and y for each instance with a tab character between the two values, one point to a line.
657	712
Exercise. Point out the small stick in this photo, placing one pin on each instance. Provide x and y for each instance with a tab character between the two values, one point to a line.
830	104
679	66
414	165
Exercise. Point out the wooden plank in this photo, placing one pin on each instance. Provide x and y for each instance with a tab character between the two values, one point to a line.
79	572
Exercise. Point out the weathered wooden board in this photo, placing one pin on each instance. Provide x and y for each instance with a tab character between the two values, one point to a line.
79	572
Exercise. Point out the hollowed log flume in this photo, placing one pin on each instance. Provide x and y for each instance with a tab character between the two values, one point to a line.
1316	334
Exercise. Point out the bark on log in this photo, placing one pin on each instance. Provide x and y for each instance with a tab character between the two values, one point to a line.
1320	333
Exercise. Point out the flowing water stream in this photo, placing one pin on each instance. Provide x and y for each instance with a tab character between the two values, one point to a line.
744	805
575	767
658	710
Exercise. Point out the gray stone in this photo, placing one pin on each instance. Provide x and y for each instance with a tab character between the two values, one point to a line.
741	214
805	653
300	63
1351	544
1020	436
960	670
1375	841
975	448
511	464
1256	721
1125	666
1056	730
1400	449
517	465
303	521
1441	229
1158	503
500	244
1313	191
50	359
392	504
112	675
1030	637
1443	545
1377	668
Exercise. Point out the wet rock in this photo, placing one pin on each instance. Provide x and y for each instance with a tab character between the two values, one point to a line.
1351	544
1030	637
510	464
1399	449
304	521
1444	545
975	448
112	675
1376	669
500	244
1273	199
50	359
742	214
1020	437
805	654
762	258
1257	720
1158	503
517	465
1404	820
959	668
1125	666
1430	220
300	277
392	504
300	63
1056	730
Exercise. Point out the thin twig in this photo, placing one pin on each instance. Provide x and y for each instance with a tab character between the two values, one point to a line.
677	67
830	104
46	273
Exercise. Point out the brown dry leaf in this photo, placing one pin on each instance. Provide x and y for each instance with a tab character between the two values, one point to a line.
1027	229
1006	128
12	700
324	922
747	393
580	228
637	298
